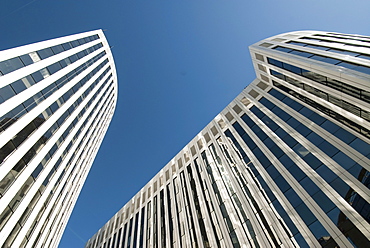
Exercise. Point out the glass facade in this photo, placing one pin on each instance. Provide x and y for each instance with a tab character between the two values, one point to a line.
285	164
53	119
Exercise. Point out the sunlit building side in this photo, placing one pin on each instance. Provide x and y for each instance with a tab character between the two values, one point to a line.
285	164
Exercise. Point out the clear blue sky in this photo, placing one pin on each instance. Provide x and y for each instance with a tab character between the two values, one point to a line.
179	63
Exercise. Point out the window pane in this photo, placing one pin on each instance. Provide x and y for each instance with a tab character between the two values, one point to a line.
10	65
57	49
67	46
26	59
54	68
37	76
18	86
75	43
6	93
6	150
45	53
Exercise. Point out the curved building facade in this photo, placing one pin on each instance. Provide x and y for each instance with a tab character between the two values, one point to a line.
285	164
57	98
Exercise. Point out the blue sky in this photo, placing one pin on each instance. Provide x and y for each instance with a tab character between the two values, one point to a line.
179	63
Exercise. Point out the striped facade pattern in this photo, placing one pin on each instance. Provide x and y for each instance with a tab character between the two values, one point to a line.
285	164
57	98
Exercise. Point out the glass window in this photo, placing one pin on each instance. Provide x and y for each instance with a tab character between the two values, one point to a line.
276	151
81	54
316	118
248	120
330	126
7	149
363	56
67	46
342	159
305	214
297	173
318	47
286	161
302	54
261	157
323	201
344	52
5	93
331	61
49	90
238	128
327	174
37	76
361	146
321	234
292	68
23	161
26	59
267	103
293	122
282	183
37	171
302	129
328	148
29	104
271	124
257	130
257	112
314	138
10	65
275	62
57	49
54	68
73	58
341	187
348	65
294	82
4	217
272	171
293	198
363	69
54	107
28	81
309	186
334	215
355	171
283	49
18	86
45	53
75	43
301	150
301	241
297	43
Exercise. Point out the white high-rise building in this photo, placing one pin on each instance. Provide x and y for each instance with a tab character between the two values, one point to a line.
285	164
57	98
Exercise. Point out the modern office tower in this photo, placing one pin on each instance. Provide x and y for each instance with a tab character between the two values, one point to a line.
285	164
57	98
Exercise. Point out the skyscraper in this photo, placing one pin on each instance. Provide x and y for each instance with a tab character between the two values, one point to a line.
57	98
285	164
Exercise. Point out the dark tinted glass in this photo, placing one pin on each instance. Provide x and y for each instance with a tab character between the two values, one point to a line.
10	65
45	53
18	86
54	68
37	76
26	59
67	46
5	93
